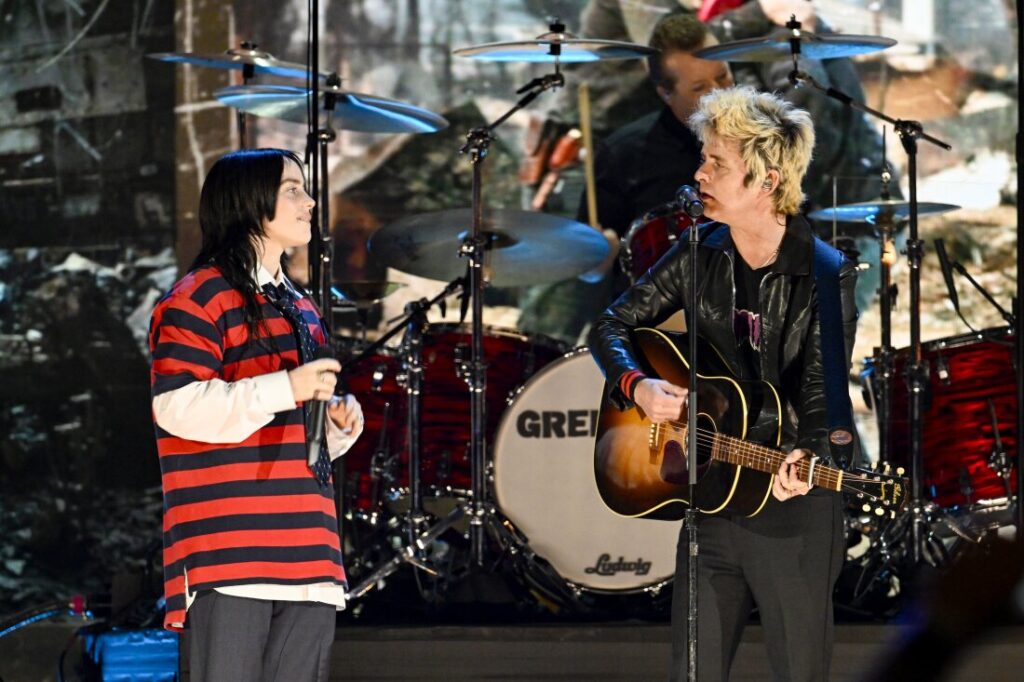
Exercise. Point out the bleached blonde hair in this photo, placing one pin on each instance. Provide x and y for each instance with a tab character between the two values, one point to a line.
771	133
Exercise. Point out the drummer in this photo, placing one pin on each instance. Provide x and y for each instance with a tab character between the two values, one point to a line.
641	165
638	167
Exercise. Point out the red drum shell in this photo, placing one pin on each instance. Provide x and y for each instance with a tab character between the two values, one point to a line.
964	374
650	237
511	358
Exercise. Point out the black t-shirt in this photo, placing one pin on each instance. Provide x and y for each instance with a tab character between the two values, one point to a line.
746	318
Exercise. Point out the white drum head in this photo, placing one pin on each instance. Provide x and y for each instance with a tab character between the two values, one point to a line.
544	483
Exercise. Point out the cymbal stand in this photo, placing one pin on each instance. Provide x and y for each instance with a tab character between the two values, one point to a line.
248	72
886	290
909	133
475	247
322	244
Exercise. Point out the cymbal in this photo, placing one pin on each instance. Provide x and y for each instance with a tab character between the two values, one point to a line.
555	46
876	210
352	110
775	45
365	292
238	59
526	248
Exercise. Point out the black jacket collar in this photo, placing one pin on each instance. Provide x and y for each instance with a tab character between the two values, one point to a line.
796	253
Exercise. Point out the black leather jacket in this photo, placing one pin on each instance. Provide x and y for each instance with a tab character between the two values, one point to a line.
790	338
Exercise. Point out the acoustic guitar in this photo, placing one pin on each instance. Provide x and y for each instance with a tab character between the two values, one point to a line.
641	467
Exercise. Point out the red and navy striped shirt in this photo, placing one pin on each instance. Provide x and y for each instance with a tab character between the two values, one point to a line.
236	513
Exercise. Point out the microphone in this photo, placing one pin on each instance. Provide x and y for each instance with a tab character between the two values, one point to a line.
947	273
317	416
688	199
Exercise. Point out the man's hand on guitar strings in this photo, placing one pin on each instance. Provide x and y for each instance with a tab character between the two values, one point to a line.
660	400
787	484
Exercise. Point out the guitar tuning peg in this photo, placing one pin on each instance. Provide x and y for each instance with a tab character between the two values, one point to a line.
879	511
892	514
860	496
900	471
866	508
887	468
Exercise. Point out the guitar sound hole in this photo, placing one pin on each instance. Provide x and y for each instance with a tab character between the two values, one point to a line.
673	464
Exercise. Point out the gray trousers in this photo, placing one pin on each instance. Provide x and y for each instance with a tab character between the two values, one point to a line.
786	561
255	640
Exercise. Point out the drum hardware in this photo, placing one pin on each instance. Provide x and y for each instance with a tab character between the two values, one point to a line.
553	47
999	460
950	265
418	536
909	133
361	297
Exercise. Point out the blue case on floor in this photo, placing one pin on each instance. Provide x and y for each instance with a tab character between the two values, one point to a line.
124	655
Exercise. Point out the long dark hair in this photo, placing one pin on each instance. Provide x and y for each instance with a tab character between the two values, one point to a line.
239	193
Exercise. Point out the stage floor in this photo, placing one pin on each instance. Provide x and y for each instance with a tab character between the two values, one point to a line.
614	651
592	652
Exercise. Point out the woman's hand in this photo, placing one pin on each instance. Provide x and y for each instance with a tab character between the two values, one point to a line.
347	415
314	380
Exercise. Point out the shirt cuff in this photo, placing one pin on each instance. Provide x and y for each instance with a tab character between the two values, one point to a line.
629	381
273	392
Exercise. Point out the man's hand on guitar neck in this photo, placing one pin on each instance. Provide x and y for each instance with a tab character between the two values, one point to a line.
660	400
786	484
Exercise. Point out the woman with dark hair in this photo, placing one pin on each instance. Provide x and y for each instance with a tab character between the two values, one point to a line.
251	547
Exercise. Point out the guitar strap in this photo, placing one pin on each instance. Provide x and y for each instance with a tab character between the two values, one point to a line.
827	262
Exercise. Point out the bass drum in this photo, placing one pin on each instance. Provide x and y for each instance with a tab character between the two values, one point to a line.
544	485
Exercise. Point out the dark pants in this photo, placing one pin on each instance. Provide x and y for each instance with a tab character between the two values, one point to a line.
785	561
236	638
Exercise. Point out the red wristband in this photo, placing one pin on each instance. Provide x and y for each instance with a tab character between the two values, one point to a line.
629	381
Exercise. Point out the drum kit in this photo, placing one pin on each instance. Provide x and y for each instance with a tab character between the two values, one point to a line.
479	439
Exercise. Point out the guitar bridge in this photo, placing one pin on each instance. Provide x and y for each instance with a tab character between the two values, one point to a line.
655	440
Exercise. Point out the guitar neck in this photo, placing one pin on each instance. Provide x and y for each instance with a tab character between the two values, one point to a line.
761	458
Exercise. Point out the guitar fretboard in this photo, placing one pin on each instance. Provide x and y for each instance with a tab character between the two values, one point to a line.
743	453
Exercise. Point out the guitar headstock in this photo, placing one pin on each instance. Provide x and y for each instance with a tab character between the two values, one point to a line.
882	490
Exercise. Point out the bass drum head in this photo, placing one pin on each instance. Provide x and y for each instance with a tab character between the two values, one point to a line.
544	484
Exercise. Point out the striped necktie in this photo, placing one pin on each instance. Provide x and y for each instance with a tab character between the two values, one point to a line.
281	297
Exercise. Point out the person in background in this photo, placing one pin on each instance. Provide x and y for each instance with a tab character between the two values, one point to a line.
637	168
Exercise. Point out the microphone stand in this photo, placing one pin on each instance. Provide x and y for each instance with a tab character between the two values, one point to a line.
690	518
917	374
958	267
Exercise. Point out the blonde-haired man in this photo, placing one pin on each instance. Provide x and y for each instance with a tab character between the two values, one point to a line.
759	308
